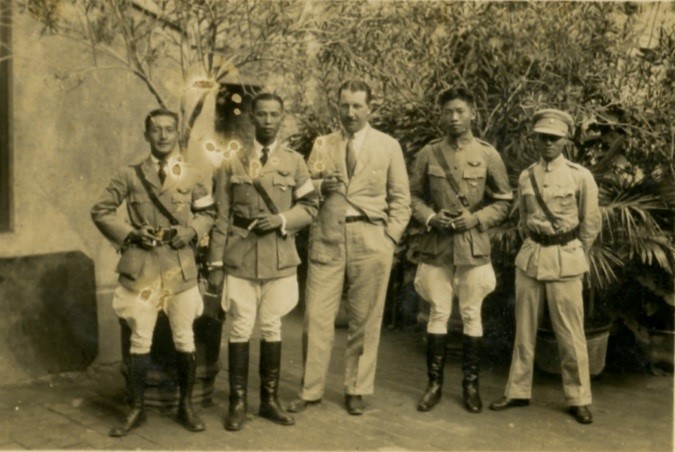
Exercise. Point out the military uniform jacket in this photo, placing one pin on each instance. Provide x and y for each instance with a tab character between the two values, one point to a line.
570	192
477	167
187	196
378	188
247	254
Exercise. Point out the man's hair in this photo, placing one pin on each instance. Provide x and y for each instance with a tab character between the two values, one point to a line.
159	112
354	86
456	92
266	96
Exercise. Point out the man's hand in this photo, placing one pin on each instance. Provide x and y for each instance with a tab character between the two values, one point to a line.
331	182
143	237
183	237
442	220
267	223
466	220
216	277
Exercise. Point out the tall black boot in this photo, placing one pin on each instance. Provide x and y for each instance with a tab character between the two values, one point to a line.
137	372
187	366
238	374
436	352
270	363
471	351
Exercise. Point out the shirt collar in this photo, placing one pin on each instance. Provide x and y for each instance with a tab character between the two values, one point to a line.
359	136
169	159
553	164
259	147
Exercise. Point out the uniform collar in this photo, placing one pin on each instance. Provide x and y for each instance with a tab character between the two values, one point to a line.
257	147
553	164
169	160
461	143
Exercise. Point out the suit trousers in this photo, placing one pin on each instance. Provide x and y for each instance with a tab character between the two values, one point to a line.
141	315
565	305
364	262
438	284
268	300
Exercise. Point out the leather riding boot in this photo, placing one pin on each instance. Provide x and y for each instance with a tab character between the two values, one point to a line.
436	352
187	366
471	351
238	375
270	363
137	372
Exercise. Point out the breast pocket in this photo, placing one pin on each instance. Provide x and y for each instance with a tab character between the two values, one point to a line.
474	177
140	209
563	200
283	182
242	190
437	183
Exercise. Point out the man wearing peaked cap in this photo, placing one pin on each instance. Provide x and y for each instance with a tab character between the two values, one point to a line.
553	122
559	219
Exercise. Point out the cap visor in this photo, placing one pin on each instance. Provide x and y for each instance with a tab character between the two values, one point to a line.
548	131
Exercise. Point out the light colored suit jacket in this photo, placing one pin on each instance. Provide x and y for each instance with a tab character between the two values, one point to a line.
185	193
379	189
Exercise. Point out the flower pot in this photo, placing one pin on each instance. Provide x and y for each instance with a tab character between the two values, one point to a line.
547	357
161	384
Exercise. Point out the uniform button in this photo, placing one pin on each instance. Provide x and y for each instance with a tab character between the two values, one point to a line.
262	209
340	221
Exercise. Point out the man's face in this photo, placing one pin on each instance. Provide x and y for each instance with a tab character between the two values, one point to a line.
267	116
456	117
354	110
549	146
162	134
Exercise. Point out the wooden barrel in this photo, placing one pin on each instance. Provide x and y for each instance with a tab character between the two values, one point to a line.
161	385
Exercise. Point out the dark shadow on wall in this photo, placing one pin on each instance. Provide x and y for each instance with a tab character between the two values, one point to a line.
49	320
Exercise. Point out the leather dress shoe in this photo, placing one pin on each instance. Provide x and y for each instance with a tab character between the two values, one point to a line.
300	405
506	402
354	403
581	413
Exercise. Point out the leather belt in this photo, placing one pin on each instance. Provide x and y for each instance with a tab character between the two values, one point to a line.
554	239
355	218
241	222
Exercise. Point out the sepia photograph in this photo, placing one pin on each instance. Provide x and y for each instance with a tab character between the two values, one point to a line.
336	225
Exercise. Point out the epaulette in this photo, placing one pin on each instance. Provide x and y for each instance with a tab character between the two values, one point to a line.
484	143
532	165
436	140
575	165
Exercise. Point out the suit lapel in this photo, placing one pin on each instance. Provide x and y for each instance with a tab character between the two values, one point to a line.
150	172
365	155
339	154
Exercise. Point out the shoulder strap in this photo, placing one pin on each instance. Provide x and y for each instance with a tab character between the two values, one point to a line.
153	197
555	221
448	175
258	186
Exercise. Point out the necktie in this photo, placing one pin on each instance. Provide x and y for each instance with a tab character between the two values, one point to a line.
351	156
162	171
265	154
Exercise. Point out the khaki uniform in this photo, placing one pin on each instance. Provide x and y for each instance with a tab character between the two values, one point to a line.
162	277
554	274
260	267
458	262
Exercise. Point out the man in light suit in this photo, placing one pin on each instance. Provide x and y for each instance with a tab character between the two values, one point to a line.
360	174
157	270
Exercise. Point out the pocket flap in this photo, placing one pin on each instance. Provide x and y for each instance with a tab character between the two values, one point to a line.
282	180
474	173
240	179
434	170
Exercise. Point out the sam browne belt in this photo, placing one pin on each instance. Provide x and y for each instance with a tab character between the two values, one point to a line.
554	239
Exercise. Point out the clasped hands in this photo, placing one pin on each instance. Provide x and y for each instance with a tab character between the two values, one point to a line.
145	237
445	220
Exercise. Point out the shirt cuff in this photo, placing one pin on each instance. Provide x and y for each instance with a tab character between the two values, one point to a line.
283	225
428	220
